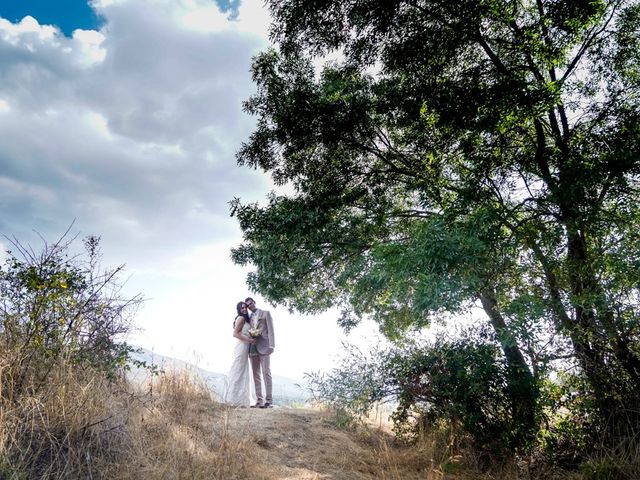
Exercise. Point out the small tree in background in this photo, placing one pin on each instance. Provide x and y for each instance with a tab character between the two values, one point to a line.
56	308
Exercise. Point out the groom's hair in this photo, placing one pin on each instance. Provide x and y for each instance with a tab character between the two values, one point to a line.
249	299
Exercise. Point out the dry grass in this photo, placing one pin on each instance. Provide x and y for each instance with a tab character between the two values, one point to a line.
54	431
82	426
181	432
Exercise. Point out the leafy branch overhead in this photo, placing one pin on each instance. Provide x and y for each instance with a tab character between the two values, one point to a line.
461	153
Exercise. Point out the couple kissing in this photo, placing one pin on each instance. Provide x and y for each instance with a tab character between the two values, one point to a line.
255	342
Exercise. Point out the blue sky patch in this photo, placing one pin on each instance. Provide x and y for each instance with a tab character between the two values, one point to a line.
69	15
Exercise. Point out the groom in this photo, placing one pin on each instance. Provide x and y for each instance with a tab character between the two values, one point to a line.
265	344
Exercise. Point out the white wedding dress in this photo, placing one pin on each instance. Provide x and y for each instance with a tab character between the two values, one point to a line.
238	385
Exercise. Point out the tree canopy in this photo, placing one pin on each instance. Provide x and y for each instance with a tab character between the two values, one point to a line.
473	152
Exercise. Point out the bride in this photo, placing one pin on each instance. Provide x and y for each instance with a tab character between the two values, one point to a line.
238	391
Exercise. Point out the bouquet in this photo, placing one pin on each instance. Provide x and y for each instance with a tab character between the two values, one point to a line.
254	332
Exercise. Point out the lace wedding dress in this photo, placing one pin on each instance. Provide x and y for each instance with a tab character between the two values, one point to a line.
238	384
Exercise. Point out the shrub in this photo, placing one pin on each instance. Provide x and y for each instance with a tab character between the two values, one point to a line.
62	319
461	383
56	308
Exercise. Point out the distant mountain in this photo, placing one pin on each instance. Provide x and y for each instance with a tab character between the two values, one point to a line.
286	391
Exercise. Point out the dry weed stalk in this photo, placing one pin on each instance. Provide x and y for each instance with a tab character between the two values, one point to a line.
82	425
56	431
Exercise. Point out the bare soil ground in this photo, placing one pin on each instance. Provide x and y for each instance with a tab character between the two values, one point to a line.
306	444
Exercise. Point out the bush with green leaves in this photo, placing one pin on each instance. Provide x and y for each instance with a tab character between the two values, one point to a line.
574	436
462	383
59	307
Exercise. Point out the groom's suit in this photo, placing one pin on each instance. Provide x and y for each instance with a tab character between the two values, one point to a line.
265	344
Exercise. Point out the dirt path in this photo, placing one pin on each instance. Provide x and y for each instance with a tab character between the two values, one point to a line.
299	444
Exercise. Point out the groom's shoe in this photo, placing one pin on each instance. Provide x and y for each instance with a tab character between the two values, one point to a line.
257	405
268	405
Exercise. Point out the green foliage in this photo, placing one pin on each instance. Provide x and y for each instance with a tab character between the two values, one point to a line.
569	434
353	387
461	153
575	436
602	469
58	308
463	383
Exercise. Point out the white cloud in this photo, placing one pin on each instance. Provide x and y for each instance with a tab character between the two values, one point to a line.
201	16
254	18
132	131
134	124
90	43
3	252
26	32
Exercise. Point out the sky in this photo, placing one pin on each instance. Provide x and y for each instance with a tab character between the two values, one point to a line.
122	117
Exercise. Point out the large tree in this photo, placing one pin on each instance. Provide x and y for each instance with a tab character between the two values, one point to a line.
461	152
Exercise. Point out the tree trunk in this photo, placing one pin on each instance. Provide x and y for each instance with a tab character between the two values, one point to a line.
598	336
521	383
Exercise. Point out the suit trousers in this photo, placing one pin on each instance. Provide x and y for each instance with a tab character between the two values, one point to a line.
262	363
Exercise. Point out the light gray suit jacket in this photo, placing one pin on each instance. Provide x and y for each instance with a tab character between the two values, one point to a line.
266	342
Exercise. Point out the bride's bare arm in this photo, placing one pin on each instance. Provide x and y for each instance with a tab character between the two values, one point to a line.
237	330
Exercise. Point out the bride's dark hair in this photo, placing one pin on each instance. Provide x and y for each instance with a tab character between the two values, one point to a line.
245	315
